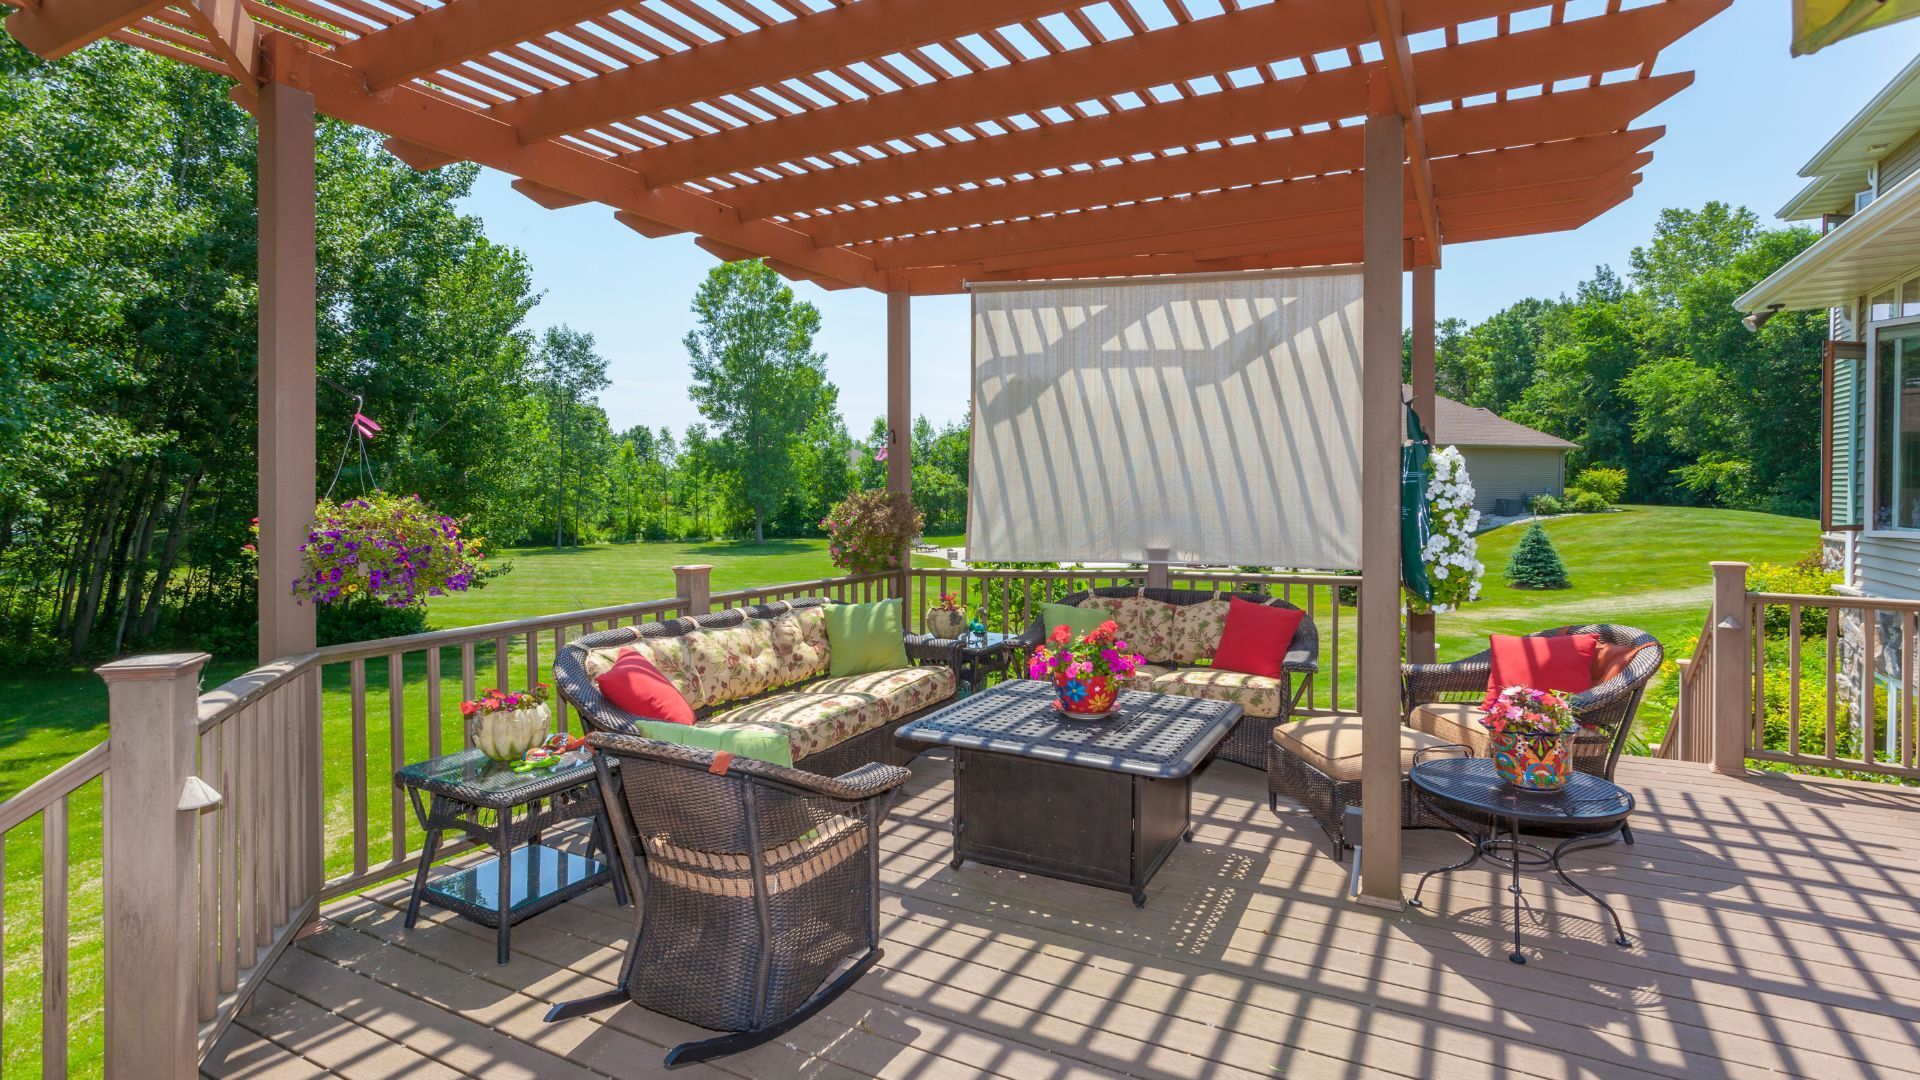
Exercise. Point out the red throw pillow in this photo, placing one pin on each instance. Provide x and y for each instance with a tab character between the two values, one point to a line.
1610	660
635	686
1256	638
1562	663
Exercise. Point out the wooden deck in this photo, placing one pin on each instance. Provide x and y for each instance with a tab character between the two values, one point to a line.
1776	927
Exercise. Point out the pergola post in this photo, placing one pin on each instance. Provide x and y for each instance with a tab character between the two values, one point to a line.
900	420
287	350
1420	629
1383	218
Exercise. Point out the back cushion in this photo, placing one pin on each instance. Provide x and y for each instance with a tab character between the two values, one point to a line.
1196	630
669	654
599	661
1147	625
799	645
733	663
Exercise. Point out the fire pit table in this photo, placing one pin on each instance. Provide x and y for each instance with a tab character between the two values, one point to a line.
1103	802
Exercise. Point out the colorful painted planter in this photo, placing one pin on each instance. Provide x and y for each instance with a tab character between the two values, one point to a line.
1086	697
507	735
1542	763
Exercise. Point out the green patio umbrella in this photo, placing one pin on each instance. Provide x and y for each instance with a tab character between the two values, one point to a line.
1819	23
1416	519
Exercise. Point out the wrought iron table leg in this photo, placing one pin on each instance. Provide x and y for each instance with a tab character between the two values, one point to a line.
1570	844
505	852
1513	834
1473	858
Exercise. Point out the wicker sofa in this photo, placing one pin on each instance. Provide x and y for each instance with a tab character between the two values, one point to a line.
1316	763
766	666
1175	629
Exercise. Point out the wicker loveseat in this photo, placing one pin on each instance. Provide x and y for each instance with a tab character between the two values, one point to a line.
1176	629
766	667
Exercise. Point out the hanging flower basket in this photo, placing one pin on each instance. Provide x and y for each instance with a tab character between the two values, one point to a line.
390	549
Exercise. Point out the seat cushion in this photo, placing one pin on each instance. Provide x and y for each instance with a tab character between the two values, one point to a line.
1259	695
1196	631
1331	744
829	712
1454	723
1143	677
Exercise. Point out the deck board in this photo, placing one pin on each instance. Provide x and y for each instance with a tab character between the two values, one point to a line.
1776	927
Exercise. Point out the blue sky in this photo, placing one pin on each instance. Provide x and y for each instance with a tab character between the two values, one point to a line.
1740	133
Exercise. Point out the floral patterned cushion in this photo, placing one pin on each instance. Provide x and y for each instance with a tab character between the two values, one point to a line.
831	711
733	663
1147	625
1257	694
1196	630
799	645
1143	676
600	661
669	654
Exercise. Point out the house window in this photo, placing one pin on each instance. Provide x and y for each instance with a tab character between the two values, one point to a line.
1884	306
1910	299
1897	440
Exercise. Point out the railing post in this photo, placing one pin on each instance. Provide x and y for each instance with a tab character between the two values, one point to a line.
694	585
1732	712
1676	745
153	716
1157	575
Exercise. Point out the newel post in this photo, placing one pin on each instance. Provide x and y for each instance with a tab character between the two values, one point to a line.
1158	576
153	705
1732	712
694	586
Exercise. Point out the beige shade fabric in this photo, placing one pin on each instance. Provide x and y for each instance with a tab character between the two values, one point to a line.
1215	417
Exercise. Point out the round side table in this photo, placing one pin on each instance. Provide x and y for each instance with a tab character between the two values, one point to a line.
1471	795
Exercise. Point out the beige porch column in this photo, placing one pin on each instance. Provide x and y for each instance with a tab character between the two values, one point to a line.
287	316
900	417
1379	670
1420	646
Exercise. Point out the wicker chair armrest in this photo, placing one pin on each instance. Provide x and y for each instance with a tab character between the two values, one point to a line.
1426	682
927	649
1299	662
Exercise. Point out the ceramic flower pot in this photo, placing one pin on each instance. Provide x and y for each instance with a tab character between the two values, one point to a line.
1542	763
1086	697
946	624
507	734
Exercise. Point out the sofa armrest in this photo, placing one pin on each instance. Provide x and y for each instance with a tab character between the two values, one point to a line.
927	649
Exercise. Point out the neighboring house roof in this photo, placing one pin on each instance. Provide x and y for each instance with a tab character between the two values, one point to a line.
1455	424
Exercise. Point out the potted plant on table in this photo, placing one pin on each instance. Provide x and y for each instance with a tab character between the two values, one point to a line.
504	726
1533	732
946	618
1087	672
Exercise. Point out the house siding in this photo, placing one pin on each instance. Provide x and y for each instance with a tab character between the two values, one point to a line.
1513	473
1886	565
1898	165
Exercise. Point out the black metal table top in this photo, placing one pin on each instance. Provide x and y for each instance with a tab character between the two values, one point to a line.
471	778
971	644
1156	735
1474	784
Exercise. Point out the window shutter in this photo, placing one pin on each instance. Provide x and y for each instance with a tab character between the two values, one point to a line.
1840	496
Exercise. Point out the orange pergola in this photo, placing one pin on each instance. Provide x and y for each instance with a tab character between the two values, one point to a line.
914	146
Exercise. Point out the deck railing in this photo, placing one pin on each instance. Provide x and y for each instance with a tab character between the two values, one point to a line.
1826	683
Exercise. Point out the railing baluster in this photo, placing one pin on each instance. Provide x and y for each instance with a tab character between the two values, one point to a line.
1333	690
502	663
1833	681
533	659
357	680
1870	622
229	858
560	703
1793	677
433	701
397	749
53	940
1757	646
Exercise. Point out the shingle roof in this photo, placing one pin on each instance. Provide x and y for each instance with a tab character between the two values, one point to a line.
1463	425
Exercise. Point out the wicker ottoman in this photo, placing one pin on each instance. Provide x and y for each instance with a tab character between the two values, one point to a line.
1316	762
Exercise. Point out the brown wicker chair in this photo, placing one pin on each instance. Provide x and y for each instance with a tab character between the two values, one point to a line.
759	888
1246	744
597	714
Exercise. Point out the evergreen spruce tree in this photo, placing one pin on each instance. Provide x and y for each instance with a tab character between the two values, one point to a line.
1535	564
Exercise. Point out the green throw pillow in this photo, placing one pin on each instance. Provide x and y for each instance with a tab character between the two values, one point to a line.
1077	619
747	740
864	637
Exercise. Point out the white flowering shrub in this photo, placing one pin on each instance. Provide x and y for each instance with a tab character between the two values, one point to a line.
1452	554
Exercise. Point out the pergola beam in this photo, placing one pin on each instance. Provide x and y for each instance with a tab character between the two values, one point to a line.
1145	223
439	38
1470	130
1180	52
801	46
1626	39
233	36
425	120
55	28
1396	63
